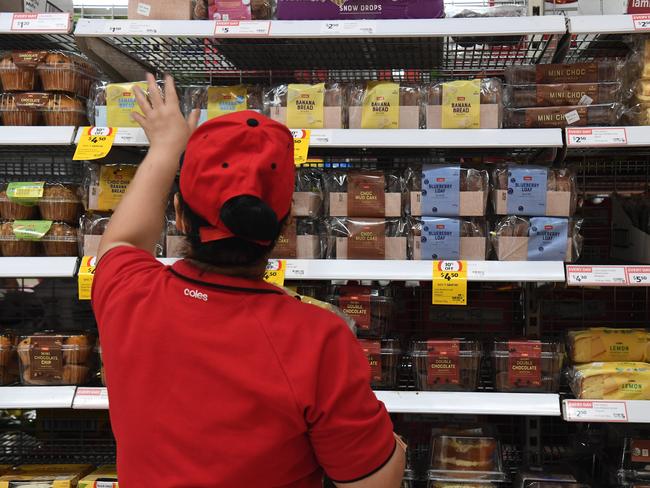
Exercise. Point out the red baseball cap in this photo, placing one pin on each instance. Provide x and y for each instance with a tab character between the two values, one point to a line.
239	154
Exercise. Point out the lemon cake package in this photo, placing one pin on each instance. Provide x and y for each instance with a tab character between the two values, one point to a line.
607	344
611	381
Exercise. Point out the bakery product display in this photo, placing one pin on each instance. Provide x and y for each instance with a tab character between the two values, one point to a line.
537	239
527	365
64	110
22	108
60	240
383	358
464	104
452	455
15	207
308	193
595	72
606	344
384	105
369	193
563	94
446	364
301	106
66	72
300	239
111	104
447	190
534	190
105	185
366	238
18	70
55	359
565	116
370	309
611	381
448	238
14	245
60	203
214	101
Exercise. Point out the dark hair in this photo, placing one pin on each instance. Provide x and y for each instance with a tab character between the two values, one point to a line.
246	216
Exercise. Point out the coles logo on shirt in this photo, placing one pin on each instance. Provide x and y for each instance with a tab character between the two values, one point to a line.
195	294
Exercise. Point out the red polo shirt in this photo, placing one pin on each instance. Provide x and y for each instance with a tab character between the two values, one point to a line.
226	382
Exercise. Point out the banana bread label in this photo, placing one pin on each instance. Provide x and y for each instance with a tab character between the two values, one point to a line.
443	362
28	59
380	106
372	350
45	358
640	451
526	193
286	246
440	190
25	192
30	230
224	100
440	239
547	239
32	101
461	104
366	194
567	73
566	94
113	182
120	103
358	308
367	239
524	364
306	106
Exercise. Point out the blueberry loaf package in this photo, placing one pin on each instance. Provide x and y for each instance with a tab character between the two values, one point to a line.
448	238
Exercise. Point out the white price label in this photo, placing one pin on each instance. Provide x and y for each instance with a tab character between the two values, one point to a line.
586	100
320	137
641	22
242	28
638	275
41	23
349	28
95	398
597	136
296	269
130	136
596	276
132	28
595	411
572	117
477	270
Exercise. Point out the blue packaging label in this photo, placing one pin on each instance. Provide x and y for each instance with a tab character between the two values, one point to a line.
440	190
440	238
526	190
547	239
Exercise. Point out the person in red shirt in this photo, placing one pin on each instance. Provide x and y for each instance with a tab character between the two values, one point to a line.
216	378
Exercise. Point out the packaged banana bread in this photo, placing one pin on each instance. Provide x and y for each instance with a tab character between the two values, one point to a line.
105	185
384	105
364	193
534	190
447	190
537	239
449	239
611	381
464	104
366	238
605	344
301	106
214	101
111	104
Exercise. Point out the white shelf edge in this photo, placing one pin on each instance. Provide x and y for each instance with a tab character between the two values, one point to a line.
46	267
14	397
90	398
471	403
638	411
503	26
601	24
43	27
503	271
36	136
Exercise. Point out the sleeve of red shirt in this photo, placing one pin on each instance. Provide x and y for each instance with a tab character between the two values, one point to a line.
122	270
350	430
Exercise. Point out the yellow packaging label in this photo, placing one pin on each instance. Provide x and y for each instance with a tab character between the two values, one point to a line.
275	270
300	145
120	102
380	106
306	106
461	104
113	182
603	344
224	100
86	276
450	282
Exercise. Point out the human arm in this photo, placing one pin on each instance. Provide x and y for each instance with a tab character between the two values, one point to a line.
138	219
389	476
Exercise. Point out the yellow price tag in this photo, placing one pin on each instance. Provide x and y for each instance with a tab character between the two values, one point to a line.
300	145
94	143
86	276
275	270
450	282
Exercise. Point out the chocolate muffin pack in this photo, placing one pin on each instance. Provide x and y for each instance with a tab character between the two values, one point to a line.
447	190
301	238
464	104
383	358
537	239
18	70
446	364
366	238
384	105
448	238
527	366
38	108
301	106
364	193
534	190
214	101
56	359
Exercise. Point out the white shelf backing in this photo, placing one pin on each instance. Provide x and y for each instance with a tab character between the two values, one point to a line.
90	399
54	267
502	26
332	269
13	397
36	23
601	24
633	411
36	136
471	403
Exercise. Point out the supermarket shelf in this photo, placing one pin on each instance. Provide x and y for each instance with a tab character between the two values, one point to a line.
633	411
54	267
601	24
332	269
36	396
36	136
405	138
90	399
471	403
44	23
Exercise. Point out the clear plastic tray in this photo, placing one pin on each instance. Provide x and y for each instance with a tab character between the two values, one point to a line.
446	364
460	458
527	366
635	465
11	210
371	313
383	358
36	108
60	203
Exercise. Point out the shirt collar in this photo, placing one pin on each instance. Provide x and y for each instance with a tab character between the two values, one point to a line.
187	271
